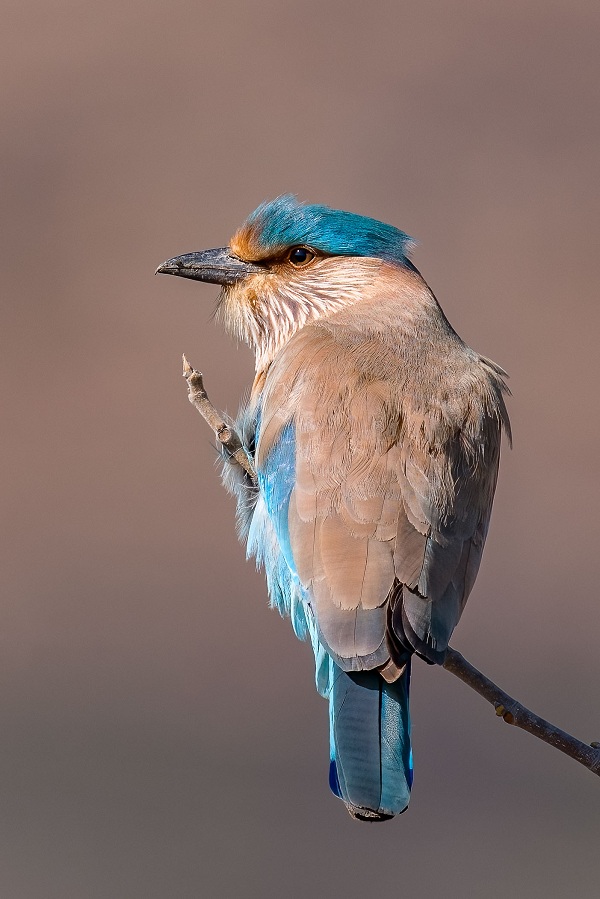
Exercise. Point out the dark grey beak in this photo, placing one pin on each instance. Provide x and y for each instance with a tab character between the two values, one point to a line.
218	266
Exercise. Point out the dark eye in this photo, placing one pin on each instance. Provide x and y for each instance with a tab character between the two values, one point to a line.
300	256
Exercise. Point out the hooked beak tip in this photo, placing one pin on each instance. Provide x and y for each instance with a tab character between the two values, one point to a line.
169	267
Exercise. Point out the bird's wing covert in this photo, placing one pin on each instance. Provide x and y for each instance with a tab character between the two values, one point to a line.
388	507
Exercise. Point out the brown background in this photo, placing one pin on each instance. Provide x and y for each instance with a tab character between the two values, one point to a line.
159	731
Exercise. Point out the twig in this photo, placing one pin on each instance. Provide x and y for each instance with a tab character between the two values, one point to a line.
506	707
225	433
513	712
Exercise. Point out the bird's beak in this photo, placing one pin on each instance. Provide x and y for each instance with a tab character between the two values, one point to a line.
218	266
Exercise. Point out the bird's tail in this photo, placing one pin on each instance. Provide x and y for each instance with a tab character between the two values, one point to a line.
371	758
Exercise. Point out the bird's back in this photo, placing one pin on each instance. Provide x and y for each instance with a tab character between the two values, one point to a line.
394	426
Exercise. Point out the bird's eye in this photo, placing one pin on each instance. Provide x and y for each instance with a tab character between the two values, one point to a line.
300	256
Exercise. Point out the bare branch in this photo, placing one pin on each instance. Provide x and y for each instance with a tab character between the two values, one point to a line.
506	707
225	434
513	712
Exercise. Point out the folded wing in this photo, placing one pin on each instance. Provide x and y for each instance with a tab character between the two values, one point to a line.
387	511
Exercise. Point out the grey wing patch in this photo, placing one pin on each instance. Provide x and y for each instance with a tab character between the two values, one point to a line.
447	506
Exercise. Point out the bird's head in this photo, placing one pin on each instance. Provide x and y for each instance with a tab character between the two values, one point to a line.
291	263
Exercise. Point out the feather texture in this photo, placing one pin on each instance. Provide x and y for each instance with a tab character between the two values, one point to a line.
375	433
371	760
395	468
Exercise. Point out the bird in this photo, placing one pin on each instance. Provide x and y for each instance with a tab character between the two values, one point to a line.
375	434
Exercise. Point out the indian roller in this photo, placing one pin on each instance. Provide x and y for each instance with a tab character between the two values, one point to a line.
375	434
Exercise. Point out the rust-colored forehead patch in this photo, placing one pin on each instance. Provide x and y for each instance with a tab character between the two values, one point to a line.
246	243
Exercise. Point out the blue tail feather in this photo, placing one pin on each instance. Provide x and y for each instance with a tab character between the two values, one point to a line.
371	759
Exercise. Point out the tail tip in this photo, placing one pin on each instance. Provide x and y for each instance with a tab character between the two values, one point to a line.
367	814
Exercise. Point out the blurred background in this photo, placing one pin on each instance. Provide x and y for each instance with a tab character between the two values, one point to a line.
160	735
